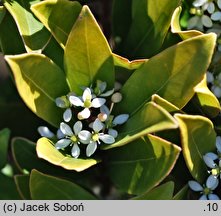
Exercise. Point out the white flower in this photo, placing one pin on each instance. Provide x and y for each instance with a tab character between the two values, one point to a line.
199	3
206	190
97	137
209	160
73	138
87	102
216	87
63	102
209	77
112	121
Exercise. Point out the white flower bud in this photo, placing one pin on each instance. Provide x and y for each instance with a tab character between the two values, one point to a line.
102	117
116	97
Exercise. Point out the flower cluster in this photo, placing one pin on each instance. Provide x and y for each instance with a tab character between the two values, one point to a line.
213	162
88	120
207	15
215	82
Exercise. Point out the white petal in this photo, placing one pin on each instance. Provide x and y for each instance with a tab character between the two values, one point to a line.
60	102
120	119
209	77
65	129
98	102
193	22
218	143
212	155
59	134
212	182
219	3
108	93
67	115
76	101
97	125
216	16
203	197
211	8
101	85
217	91
87	94
207	22
113	132
209	162
198	3
63	143
106	138
45	132
91	148
75	151
77	127
105	109
195	186
84	114
84	136
213	197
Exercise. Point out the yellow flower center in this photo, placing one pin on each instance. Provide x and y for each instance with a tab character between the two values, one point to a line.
95	137
74	139
87	103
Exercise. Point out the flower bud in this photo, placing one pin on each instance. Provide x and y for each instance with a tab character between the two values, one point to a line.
116	97
102	117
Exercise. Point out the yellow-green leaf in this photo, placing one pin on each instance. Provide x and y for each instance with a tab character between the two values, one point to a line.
87	54
58	16
198	137
47	151
39	82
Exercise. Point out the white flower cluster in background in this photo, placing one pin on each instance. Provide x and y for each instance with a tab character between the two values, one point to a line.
213	162
88	120
215	82
207	13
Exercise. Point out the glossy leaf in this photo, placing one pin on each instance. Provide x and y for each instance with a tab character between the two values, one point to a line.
24	151
172	74
169	107
51	188
34	33
8	189
4	141
151	118
47	151
198	137
182	194
58	16
149	27
162	192
90	58
22	184
11	43
206	100
142	164
2	13
39	82
175	26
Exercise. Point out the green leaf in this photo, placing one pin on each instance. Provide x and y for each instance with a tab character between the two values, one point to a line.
169	107
22	184
175	26
90	58
162	192
151	118
10	39
120	61
39	82
182	194
206	100
51	188
47	151
34	33
198	138
2	13
142	164
4	141
8	189
172	74
149	27
58	16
